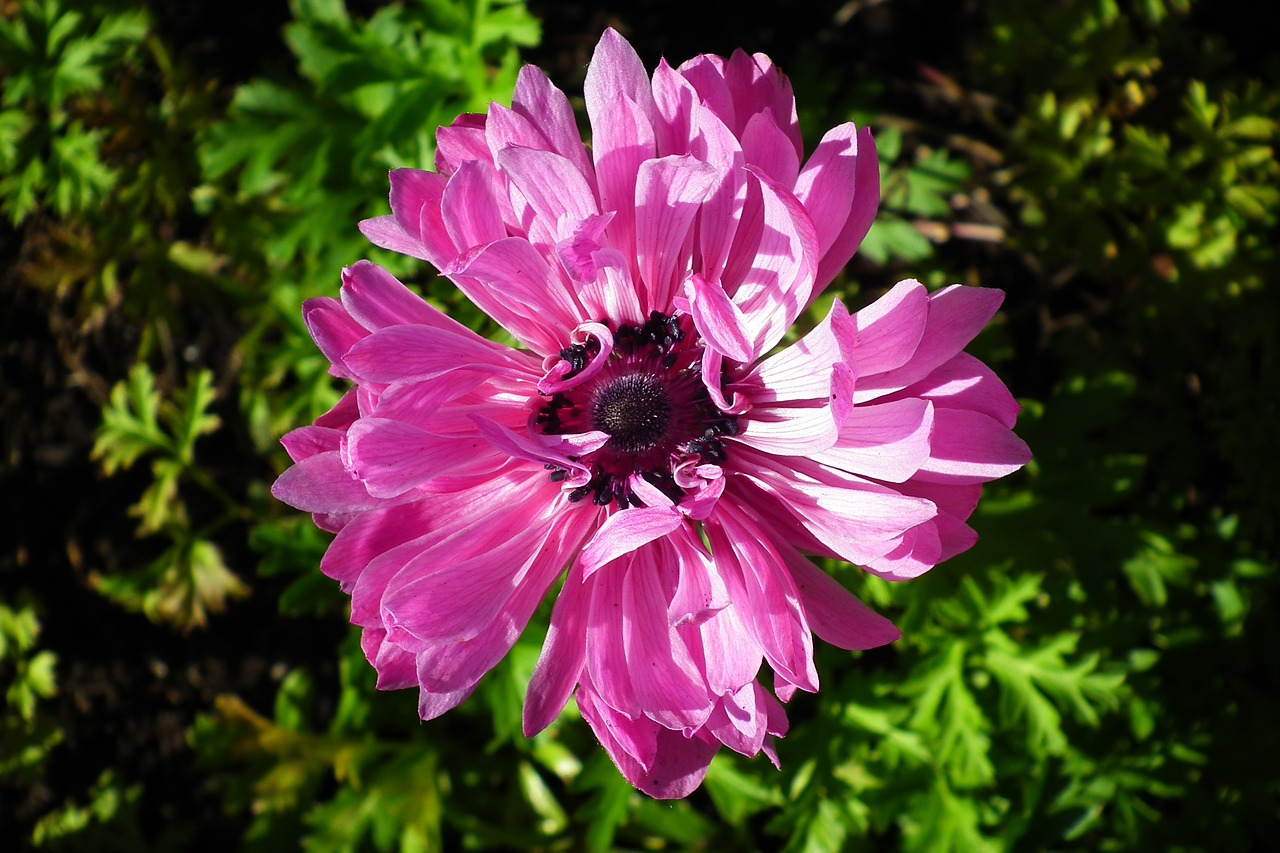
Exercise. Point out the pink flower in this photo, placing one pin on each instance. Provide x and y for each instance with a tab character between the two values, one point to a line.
646	437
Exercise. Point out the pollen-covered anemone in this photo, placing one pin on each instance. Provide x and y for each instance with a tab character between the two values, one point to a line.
646	442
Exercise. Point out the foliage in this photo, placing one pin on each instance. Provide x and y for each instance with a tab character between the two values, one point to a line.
1099	673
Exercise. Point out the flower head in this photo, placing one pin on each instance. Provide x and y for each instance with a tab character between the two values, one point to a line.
646	441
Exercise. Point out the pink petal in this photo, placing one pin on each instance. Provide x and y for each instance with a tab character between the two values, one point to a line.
862	208
309	440
718	320
333	330
970	447
369	536
890	329
513	270
776	287
731	653
956	315
402	353
888	441
545	106
625	531
802	371
858	520
320	483
679	763
554	188
668	194
470	207
392	457
667	683
396	668
376	299
918	552
964	382
607	664
768	148
834	613
564	653
461	141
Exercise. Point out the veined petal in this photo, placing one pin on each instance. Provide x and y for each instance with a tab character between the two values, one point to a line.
401	353
668	194
554	188
392	457
888	441
667	683
719	321
470	207
625	531
542	104
321	483
890	329
956	315
564	653
970	447
834	613
333	330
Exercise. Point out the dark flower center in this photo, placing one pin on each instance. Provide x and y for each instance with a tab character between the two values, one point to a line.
649	398
634	409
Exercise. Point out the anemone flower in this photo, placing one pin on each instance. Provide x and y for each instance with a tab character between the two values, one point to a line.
650	440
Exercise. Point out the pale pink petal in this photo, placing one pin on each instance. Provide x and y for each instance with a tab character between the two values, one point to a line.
862	209
890	329
461	141
392	457
956	315
333	330
310	440
767	147
966	383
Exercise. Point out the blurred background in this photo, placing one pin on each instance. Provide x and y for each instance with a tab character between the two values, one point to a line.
1101	672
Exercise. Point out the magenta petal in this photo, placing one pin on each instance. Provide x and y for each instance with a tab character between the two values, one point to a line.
679	763
396	668
564	653
624	532
718	320
310	440
668	194
970	447
320	483
401	353
392	457
369	536
470	207
888	441
376	299
333	330
667	683
834	613
891	328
